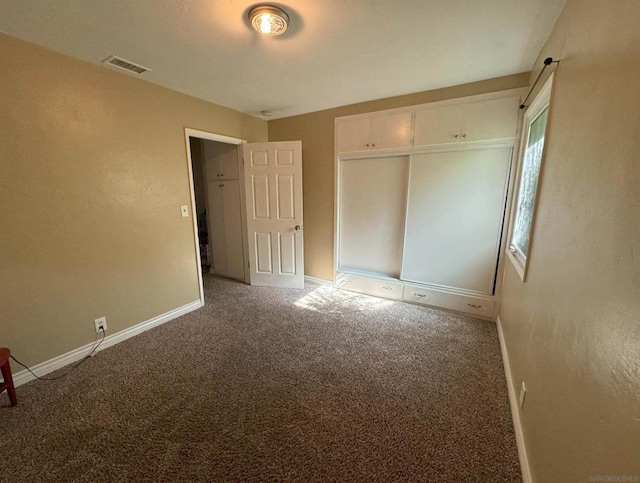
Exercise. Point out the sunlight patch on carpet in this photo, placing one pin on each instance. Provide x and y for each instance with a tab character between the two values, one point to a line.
328	299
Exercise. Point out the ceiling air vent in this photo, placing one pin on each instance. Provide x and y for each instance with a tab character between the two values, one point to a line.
123	64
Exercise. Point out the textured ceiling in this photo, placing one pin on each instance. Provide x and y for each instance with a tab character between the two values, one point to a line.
336	52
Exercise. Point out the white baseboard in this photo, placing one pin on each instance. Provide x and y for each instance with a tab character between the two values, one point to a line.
320	281
56	363
515	409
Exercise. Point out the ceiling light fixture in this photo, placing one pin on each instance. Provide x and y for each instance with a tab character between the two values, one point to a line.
269	19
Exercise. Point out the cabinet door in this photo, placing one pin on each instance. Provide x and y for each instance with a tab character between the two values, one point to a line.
391	131
220	160
439	125
211	161
215	214
232	229
490	120
353	134
228	162
454	218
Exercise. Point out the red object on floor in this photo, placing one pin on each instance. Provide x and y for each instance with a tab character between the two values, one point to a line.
6	375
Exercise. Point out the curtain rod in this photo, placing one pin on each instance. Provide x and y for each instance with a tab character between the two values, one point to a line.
547	62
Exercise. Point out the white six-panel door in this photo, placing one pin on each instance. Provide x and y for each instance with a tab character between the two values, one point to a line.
273	188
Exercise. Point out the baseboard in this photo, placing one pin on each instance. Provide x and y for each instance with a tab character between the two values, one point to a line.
319	281
515	409
56	363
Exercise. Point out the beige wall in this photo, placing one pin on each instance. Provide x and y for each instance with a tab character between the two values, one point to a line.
316	131
94	171
573	329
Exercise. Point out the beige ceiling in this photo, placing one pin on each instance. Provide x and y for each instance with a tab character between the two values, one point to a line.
336	52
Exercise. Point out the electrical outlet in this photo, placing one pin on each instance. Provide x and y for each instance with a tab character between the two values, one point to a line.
184	211
101	324
523	394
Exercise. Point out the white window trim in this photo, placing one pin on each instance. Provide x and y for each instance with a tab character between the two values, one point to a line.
541	101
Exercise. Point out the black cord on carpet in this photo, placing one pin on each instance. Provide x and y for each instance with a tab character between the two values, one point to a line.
94	348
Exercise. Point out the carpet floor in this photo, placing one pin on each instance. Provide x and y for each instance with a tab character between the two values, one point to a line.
267	384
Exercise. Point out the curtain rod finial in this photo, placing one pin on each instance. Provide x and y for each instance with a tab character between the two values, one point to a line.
548	61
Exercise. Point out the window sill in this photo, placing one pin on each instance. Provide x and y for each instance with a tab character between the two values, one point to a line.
520	267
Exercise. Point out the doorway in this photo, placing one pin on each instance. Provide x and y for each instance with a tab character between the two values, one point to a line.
215	163
265	248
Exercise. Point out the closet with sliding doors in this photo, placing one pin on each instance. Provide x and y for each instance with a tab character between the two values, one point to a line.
421	198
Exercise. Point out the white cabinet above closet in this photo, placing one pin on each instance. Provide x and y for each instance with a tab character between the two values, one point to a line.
366	133
492	120
437	124
221	160
489	120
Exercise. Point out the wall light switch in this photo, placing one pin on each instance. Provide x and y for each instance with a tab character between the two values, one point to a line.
523	394
184	209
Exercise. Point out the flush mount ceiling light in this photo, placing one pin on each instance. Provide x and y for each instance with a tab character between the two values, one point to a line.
268	19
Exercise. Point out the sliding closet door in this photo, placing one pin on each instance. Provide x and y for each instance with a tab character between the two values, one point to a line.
372	212
454	218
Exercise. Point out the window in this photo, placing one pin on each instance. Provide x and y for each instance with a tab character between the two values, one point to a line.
530	161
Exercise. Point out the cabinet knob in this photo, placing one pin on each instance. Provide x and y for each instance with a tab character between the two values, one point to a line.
456	136
464	135
475	306
221	185
367	145
373	145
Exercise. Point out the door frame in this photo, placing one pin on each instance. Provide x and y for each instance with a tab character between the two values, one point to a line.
209	136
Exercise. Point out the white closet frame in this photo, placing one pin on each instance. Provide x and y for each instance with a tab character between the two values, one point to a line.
512	143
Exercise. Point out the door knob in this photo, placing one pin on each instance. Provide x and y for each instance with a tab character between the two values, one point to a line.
298	227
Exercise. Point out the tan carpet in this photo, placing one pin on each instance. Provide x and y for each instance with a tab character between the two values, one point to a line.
275	385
